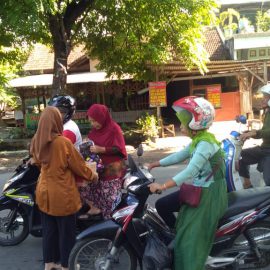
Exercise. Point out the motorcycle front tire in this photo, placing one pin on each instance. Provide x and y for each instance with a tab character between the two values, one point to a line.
95	260
21	219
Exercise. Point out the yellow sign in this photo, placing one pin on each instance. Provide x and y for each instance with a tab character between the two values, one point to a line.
157	94
214	95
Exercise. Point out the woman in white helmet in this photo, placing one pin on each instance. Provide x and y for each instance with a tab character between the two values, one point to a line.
195	226
258	154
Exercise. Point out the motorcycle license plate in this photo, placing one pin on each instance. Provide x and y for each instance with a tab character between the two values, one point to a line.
117	201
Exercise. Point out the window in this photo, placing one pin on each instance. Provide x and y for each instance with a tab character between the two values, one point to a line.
252	53
262	52
199	93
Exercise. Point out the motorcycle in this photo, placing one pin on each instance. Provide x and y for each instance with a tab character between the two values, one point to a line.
242	240
232	147
19	215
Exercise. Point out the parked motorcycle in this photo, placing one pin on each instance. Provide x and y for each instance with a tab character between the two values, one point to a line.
19	215
232	147
242	239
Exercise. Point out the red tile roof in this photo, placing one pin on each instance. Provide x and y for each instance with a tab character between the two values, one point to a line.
41	58
215	46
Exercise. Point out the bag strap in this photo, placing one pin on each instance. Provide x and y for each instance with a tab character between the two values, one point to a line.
214	170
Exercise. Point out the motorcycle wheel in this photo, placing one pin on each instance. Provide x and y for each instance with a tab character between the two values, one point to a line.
19	229
91	254
261	235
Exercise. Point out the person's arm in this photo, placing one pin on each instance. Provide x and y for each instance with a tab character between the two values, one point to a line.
259	134
171	159
70	135
202	153
265	131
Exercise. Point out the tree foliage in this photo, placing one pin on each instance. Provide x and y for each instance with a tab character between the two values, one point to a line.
123	34
263	21
229	19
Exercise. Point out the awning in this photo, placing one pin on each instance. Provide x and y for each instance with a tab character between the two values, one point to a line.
47	79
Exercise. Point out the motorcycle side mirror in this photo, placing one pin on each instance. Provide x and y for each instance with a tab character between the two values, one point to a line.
241	119
140	150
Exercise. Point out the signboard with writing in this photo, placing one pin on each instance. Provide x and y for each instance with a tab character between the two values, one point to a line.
214	95
157	94
80	117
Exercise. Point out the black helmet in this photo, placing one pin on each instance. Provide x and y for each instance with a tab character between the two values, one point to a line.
66	104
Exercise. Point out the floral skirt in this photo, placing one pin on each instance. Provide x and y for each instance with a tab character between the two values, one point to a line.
102	194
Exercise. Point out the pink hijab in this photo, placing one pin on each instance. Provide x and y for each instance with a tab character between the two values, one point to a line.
110	134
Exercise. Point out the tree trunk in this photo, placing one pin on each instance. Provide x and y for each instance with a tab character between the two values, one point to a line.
60	27
60	69
61	46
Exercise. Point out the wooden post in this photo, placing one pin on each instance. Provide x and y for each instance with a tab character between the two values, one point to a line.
44	97
103	94
23	108
159	116
265	77
191	87
38	102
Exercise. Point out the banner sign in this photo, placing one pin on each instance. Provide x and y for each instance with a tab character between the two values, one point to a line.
214	95
80	117
157	94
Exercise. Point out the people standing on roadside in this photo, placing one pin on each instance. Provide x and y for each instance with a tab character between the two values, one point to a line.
257	154
57	195
195	225
109	144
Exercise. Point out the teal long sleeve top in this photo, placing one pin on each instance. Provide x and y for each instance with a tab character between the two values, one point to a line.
198	168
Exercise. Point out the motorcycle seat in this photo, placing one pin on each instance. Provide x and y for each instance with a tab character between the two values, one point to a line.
246	199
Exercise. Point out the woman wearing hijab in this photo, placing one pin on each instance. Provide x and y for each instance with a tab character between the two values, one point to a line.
57	195
195	225
109	144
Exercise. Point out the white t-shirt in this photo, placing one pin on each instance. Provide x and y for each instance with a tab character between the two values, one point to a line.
72	132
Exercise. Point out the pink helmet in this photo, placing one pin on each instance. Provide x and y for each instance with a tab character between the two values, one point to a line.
202	111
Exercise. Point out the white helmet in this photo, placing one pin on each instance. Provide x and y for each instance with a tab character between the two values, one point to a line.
266	90
201	110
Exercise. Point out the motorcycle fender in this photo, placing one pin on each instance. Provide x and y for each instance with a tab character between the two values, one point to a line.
107	228
5	200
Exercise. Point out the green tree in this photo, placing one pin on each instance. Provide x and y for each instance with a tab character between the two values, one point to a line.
10	64
229	19
263	21
122	34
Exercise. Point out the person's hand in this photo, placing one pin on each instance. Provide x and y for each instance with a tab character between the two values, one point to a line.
150	166
96	149
147	166
95	178
93	166
154	187
82	183
247	135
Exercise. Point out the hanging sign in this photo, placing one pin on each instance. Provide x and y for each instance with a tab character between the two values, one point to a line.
214	95
80	117
157	94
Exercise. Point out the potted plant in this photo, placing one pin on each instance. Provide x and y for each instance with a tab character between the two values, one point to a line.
148	125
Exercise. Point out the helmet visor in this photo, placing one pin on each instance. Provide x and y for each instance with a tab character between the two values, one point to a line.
184	117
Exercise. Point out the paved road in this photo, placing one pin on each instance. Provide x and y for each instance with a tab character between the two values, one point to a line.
28	255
